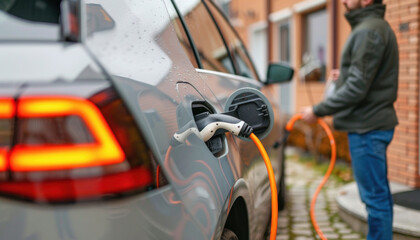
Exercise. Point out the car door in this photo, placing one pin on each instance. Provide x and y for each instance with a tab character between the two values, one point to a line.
224	65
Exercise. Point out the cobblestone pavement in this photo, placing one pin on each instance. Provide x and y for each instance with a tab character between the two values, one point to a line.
294	221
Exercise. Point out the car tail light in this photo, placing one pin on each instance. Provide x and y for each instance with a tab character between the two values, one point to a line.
62	149
103	150
7	111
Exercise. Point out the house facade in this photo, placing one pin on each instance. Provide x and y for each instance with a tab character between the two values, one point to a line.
310	35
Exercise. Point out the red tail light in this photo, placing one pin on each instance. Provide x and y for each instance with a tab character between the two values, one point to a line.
7	111
7	108
65	150
3	159
105	150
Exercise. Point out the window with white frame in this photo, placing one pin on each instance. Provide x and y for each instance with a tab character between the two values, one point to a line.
315	38
285	55
284	36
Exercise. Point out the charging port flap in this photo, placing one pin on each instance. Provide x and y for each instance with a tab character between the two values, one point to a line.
251	106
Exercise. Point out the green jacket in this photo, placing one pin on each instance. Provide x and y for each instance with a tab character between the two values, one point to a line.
367	87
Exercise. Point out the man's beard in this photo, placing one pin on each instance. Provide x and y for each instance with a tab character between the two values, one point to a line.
358	6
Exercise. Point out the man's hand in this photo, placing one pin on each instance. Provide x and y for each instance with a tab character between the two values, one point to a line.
330	85
308	114
334	74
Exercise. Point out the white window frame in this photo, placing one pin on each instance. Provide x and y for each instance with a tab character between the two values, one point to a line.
308	5
253	29
285	16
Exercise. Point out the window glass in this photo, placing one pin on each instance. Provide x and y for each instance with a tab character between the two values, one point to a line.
315	45
131	38
284	43
29	20
258	51
224	5
181	34
237	49
286	91
210	46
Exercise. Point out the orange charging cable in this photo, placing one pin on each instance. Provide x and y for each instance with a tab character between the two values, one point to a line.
321	122
274	204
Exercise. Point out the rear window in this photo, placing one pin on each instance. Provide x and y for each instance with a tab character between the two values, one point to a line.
29	20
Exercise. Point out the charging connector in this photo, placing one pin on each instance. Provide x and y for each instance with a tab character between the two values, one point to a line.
209	125
215	124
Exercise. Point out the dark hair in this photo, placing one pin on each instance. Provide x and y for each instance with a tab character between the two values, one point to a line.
377	1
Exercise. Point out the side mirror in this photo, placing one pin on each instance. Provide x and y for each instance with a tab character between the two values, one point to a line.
279	73
98	19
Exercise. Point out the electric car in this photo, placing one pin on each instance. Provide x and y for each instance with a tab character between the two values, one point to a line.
103	111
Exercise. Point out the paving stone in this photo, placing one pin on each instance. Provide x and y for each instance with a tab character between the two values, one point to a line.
297	199
327	229
333	209
305	225
345	231
302	238
323	223
322	218
331	196
321	213
351	236
320	206
301	219
284	215
301	183
283	222
331	236
298	205
282	237
339	225
297	190
302	232
298	202
282	231
300	213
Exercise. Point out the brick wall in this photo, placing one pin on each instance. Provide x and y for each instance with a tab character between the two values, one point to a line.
403	16
245	13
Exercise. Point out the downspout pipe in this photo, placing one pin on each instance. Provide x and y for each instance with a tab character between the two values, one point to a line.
334	34
269	32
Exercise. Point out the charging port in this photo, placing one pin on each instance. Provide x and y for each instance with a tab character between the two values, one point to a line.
252	107
216	144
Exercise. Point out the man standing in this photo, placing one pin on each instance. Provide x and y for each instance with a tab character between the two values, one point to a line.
363	106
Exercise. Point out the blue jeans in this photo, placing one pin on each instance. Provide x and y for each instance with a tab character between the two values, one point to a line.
368	154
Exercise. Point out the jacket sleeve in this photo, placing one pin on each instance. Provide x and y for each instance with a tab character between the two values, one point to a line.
367	50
